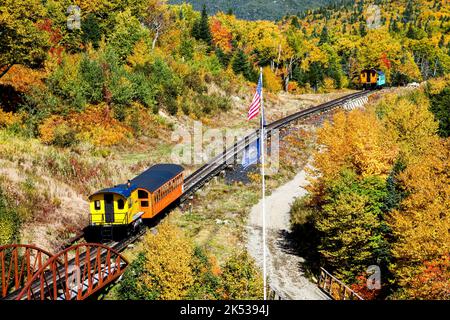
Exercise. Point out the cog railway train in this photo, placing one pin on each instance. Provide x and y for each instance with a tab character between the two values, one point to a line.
123	207
372	79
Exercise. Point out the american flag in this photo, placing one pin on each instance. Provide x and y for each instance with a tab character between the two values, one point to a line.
256	103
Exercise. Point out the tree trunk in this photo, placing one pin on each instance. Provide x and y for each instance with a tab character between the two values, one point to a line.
6	70
155	39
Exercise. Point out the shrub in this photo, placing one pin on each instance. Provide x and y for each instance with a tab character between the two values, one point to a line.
168	267
91	76
64	136
241	279
94	125
55	130
47	129
130	288
8	119
207	284
9	223
271	81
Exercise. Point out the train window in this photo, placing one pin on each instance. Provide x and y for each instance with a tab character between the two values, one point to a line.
120	204
97	204
144	204
142	194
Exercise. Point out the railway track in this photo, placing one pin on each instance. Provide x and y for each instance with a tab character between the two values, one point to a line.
205	173
192	183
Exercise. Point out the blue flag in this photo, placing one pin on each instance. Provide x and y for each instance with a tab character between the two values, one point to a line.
251	154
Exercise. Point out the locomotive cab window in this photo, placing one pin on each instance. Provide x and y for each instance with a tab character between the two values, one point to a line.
120	204
144	204
97	205
142	194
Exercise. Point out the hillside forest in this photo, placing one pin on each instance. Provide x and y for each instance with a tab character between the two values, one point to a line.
86	85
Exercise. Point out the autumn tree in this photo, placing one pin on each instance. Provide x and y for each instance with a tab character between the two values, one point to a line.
271	81
22	41
350	222
221	36
409	124
420	225
355	141
157	18
168	264
241	279
127	32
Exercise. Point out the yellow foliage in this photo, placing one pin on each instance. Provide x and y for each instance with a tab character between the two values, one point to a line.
328	84
141	55
408	67
356	141
410	124
169	256
97	126
421	225
7	119
271	81
435	86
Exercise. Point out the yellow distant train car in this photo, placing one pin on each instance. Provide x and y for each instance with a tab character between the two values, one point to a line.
145	196
371	78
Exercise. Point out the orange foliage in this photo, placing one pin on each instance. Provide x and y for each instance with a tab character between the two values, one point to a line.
47	129
433	282
361	288
94	125
294	88
221	35
22	78
215	267
97	126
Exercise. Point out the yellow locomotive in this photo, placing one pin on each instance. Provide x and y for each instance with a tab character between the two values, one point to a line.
371	78
125	205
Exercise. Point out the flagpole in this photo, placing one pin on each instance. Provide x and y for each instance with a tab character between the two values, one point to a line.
263	192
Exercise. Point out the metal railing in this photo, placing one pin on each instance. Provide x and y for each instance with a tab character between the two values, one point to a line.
335	288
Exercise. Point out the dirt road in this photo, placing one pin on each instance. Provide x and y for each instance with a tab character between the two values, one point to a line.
284	267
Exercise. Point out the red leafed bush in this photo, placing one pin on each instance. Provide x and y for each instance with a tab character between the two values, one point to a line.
361	288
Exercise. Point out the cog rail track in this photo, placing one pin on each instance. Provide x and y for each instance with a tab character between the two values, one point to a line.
205	173
50	282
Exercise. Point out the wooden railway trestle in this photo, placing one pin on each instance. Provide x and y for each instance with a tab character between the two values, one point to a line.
19	263
72	274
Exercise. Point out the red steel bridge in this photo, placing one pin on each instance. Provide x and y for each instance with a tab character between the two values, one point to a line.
82	270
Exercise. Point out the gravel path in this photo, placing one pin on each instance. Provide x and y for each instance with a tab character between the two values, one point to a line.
284	267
